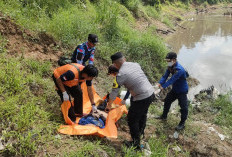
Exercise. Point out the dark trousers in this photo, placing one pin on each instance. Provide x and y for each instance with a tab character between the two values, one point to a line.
137	117
77	94
183	102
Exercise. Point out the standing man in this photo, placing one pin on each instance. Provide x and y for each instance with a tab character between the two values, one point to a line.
179	88
68	79
85	51
133	78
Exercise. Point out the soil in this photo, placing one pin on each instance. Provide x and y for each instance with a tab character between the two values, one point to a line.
206	142
161	29
27	44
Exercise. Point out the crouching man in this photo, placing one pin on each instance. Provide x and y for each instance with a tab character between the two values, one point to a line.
68	79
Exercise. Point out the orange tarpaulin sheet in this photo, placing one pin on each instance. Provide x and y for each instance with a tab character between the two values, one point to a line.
110	129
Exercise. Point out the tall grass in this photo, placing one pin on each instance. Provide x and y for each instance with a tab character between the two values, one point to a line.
224	104
23	111
30	112
72	20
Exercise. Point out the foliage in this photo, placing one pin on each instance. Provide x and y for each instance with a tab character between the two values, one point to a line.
22	118
71	21
224	104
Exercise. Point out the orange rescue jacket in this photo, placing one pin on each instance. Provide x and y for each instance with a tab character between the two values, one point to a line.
63	69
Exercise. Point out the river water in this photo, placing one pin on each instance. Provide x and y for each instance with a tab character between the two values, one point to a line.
205	49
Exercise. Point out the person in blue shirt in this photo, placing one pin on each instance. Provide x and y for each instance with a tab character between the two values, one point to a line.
85	51
179	88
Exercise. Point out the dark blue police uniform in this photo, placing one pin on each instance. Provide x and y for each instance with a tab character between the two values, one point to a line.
179	90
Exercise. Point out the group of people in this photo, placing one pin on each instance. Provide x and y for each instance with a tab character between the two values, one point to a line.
68	79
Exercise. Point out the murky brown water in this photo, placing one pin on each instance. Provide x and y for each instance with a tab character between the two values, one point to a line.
205	50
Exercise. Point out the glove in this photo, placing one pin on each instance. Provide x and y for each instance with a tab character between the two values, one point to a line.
123	102
94	108
65	96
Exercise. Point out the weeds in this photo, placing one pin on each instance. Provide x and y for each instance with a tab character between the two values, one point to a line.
21	117
71	22
224	103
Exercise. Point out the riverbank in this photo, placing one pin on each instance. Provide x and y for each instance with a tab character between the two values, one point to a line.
183	15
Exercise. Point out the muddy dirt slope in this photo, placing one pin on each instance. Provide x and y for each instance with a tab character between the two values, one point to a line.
24	42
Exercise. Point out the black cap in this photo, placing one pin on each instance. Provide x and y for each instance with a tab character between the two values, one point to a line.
93	38
116	56
171	55
112	69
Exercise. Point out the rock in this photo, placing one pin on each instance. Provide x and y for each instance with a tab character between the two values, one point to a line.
147	153
206	94
221	136
149	115
1	145
147	150
176	135
170	136
176	148
58	137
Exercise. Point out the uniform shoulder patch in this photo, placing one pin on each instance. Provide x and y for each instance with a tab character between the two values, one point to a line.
115	83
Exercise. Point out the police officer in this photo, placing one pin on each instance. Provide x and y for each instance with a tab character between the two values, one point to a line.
85	51
142	94
179	88
113	71
68	79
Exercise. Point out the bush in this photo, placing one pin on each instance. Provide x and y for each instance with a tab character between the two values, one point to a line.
224	103
132	5
152	50
73	25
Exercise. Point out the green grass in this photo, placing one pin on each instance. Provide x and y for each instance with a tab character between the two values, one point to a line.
216	111
24	113
224	104
30	113
114	22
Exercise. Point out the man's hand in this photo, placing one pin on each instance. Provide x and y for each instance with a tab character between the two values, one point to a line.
94	108
108	108
65	96
159	85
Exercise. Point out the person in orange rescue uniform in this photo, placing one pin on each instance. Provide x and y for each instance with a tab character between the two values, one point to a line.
68	79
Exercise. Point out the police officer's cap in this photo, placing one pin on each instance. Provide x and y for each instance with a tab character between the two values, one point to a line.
116	56
171	55
93	38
